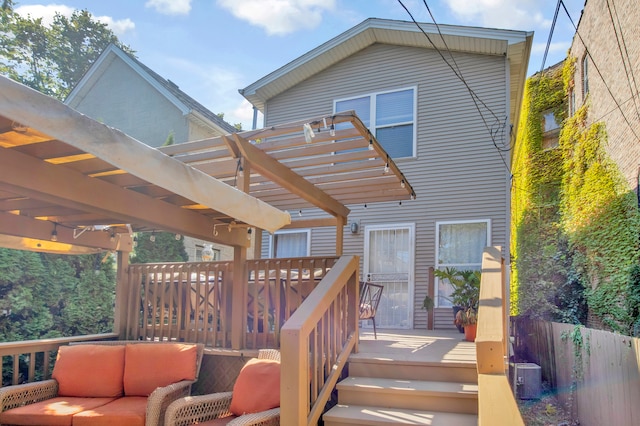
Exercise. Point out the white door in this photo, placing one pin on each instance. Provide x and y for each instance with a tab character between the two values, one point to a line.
388	261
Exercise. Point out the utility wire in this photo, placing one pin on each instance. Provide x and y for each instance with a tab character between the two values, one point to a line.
628	70
474	96
553	25
600	74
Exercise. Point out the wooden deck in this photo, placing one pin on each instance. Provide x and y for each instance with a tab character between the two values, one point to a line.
413	377
446	346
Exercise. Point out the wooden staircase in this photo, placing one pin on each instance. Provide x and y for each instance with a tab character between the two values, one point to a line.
386	387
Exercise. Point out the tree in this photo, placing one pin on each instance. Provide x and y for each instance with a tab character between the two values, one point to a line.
51	59
164	248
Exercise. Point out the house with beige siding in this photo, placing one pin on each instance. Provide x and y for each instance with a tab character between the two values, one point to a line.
444	103
122	92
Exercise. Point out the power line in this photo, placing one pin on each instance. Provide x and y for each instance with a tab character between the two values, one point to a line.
474	96
600	74
622	55
553	25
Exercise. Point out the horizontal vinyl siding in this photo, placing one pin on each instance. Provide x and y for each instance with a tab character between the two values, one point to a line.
458	173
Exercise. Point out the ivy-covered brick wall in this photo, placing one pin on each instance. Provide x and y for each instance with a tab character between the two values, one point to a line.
575	221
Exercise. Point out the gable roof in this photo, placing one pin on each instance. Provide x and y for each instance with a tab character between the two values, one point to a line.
185	103
515	45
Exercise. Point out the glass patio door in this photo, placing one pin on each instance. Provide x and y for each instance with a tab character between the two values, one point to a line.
388	261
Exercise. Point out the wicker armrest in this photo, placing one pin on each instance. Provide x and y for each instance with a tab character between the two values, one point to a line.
193	409
161	398
28	393
263	418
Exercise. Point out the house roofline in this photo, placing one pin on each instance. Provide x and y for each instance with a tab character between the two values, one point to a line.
154	80
374	30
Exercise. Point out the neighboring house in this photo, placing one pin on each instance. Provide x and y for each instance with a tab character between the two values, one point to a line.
575	210
120	91
606	49
427	120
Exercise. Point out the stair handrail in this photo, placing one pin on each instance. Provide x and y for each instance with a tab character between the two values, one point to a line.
315	343
496	403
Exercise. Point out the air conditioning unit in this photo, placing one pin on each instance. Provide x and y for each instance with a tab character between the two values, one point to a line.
527	381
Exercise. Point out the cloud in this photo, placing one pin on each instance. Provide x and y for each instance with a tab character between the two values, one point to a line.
510	14
118	26
45	12
170	7
279	17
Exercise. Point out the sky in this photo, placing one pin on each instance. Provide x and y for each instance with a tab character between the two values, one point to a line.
213	48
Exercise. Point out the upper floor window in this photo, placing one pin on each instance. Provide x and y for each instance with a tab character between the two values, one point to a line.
585	75
549	121
390	116
290	244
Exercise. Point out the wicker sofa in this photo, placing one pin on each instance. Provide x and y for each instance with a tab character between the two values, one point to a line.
107	382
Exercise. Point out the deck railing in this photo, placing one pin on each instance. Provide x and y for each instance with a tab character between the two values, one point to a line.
316	342
191	302
496	403
37	356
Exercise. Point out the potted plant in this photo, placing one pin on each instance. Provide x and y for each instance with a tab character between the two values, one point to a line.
465	296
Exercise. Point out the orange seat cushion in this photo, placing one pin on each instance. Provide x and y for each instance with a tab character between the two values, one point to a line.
149	366
89	370
54	411
128	410
257	387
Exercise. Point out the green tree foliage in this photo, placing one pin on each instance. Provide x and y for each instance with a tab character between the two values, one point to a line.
51	59
47	296
165	248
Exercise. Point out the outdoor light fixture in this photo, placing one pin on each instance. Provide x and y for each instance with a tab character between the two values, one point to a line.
207	253
402	184
152	238
308	132
370	144
54	233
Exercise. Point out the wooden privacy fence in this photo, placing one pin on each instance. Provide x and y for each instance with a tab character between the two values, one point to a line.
597	372
191	302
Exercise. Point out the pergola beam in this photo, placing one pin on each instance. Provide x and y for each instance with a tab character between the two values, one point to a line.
47	115
288	179
90	194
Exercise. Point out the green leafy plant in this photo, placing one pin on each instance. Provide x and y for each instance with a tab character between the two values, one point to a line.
465	294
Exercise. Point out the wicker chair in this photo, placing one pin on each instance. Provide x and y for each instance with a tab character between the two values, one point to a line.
199	410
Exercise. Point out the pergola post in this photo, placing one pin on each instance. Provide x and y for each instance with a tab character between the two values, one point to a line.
341	221
122	288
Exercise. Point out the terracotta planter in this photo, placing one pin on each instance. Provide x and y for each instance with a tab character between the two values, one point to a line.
470	332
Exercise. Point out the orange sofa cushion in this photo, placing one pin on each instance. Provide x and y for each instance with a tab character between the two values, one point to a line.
257	387
128	410
149	366
54	411
89	370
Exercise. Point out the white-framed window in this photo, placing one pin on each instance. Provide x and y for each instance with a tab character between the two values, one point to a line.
459	244
290	243
391	117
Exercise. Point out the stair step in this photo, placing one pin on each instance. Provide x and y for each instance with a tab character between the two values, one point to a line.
402	393
375	416
461	372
